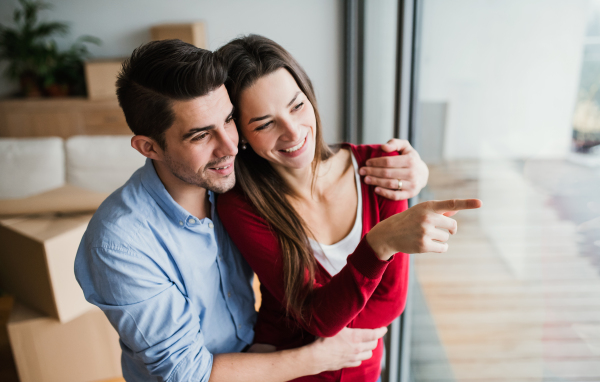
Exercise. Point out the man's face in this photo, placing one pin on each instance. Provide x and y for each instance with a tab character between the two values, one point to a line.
201	145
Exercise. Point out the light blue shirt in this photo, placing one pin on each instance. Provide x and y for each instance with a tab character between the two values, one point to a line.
175	287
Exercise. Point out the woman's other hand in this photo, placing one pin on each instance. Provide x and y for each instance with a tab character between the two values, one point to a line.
423	228
385	172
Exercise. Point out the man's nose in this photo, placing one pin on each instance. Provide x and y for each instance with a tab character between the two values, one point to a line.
226	145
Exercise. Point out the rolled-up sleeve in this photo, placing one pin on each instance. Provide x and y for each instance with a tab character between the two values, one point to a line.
156	321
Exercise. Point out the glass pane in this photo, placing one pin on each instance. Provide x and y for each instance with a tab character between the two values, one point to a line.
508	113
381	25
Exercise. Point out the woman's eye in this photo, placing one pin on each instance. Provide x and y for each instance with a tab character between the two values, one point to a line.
299	106
262	127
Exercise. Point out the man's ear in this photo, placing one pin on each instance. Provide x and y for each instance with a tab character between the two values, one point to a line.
147	147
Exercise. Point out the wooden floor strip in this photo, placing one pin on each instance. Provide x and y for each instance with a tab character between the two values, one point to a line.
515	298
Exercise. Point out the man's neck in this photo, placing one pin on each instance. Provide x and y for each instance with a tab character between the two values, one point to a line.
192	198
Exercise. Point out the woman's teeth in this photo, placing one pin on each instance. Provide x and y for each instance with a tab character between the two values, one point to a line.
292	149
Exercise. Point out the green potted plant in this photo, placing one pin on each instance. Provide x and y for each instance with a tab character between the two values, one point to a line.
34	59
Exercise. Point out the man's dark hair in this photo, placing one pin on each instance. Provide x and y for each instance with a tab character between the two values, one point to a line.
158	73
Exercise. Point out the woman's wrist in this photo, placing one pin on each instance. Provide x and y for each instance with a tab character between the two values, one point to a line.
379	245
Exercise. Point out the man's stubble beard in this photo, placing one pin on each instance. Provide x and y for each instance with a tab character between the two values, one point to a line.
220	186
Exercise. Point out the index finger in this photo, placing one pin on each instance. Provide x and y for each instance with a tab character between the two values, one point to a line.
441	206
366	335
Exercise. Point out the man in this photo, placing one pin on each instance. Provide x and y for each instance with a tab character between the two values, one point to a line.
155	257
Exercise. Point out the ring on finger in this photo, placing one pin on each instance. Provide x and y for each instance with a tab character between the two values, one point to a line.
399	185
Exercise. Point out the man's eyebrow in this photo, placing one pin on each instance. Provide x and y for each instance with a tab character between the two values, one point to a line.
196	130
268	115
230	116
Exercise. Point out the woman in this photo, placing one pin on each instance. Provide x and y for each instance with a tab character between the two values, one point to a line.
302	218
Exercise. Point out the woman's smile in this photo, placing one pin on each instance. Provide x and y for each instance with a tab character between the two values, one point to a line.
296	150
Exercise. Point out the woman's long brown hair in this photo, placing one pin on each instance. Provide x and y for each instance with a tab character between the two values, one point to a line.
248	59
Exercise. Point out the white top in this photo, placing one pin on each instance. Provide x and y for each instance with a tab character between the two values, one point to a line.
333	257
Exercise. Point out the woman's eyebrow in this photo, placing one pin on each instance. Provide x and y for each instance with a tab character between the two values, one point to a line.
293	99
269	115
258	118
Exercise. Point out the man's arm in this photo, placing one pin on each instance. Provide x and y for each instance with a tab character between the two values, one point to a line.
346	349
160	328
387	172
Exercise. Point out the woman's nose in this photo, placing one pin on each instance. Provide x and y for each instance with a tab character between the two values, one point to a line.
292	130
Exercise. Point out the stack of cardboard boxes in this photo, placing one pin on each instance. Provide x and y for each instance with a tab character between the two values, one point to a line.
54	333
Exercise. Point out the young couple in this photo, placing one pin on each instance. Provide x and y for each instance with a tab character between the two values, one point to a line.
329	251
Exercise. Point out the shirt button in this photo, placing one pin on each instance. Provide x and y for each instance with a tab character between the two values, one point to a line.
220	257
191	221
239	326
228	294
180	223
211	225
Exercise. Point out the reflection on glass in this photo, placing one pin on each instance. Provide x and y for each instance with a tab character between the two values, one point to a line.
586	117
517	296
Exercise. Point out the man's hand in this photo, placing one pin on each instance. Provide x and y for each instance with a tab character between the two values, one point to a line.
348	348
386	172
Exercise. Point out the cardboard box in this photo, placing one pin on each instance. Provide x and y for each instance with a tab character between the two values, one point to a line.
8	371
65	199
83	350
101	78
36	263
192	33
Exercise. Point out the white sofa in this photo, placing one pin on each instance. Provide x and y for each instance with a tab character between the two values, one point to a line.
29	166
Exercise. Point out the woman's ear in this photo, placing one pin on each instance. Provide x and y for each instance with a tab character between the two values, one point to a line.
147	147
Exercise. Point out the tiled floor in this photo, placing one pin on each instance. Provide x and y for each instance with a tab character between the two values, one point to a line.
517	296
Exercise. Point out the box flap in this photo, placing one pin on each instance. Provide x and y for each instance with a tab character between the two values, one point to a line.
66	199
43	228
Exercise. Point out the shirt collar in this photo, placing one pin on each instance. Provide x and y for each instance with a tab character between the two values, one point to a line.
159	193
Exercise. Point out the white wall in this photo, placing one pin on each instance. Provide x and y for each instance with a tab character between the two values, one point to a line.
509	71
310	29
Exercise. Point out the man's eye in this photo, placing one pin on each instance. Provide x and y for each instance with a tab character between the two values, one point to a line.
229	120
199	137
299	106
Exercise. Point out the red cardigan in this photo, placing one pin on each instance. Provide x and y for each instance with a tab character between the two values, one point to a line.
366	293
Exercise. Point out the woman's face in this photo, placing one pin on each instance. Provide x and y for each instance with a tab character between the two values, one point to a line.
278	121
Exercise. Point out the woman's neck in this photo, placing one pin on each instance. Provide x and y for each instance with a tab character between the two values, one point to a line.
301	180
298	180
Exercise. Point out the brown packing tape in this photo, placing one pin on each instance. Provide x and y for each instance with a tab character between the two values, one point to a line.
66	199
